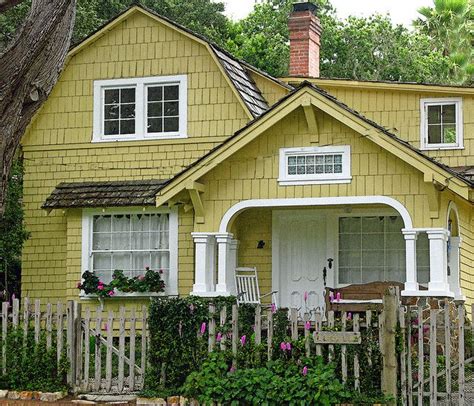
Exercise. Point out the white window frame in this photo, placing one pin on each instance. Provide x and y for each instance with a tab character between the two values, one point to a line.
424	103
140	85
285	179
171	289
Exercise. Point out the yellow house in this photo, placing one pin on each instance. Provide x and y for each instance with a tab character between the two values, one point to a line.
156	148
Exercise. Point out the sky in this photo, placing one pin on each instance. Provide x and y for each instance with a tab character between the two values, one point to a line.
401	11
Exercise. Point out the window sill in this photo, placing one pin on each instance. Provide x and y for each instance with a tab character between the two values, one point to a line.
295	182
442	148
131	295
136	138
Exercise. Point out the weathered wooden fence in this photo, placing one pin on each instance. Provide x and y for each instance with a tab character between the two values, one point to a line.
105	351
422	346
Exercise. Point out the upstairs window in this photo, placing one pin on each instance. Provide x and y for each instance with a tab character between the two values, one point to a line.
140	108
313	165
441	124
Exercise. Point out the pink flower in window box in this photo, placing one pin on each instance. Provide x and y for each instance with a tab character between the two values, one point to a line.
111	293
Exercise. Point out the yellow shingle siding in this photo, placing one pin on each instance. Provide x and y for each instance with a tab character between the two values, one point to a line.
271	91
399	112
58	148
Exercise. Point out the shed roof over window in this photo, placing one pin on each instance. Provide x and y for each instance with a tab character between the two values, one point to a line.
104	194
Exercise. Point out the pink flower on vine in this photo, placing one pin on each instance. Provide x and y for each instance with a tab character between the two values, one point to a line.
288	346
100	287
307	325
203	328
219	337
305	371
283	346
274	308
243	339
111	293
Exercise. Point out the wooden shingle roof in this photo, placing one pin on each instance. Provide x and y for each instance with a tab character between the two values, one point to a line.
104	194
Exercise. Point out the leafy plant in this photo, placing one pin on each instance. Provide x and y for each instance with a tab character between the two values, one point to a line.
149	282
307	381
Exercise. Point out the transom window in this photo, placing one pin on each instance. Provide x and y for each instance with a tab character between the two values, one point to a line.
441	123
131	242
315	165
140	108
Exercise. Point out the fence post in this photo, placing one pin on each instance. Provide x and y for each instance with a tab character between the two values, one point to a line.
71	341
389	356
235	332
461	381
78	342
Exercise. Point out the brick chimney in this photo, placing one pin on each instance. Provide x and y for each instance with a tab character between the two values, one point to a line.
305	40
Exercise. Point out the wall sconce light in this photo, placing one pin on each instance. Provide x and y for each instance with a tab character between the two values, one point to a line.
261	244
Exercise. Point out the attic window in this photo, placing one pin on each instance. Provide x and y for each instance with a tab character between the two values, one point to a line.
313	165
441	123
140	108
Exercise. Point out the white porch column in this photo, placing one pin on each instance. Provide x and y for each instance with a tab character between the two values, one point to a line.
411	280
438	284
454	279
233	263
204	268
224	241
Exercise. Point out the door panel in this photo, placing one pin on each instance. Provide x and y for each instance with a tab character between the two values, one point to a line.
302	257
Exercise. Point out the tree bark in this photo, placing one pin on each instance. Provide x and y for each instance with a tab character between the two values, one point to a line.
29	68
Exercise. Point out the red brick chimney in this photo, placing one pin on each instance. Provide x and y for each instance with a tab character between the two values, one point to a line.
305	40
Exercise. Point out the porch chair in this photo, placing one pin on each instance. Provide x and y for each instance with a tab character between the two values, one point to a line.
248	291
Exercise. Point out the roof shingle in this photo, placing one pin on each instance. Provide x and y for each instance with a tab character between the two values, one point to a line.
104	194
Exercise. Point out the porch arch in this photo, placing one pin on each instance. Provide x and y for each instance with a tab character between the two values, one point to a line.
314	201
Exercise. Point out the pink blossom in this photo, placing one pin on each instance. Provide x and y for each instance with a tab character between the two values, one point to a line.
307	325
243	339
274	308
349	316
219	337
203	328
338	296
288	346
100	287
111	293
305	296
283	346
305	371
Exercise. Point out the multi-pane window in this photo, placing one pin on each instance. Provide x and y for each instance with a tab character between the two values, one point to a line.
119	111
140	108
441	123
371	249
131	243
315	165
163	108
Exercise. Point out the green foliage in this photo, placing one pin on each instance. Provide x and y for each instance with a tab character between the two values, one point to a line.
33	367
12	233
307	381
450	23
150	282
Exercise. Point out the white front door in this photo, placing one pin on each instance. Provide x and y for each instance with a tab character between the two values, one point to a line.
300	239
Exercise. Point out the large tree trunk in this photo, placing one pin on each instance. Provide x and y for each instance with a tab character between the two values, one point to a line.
29	68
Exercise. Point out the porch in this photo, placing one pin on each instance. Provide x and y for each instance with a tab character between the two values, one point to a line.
300	247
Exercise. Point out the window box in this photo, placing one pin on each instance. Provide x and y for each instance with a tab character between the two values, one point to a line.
140	108
315	165
441	124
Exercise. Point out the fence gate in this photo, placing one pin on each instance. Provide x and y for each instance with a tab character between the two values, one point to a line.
109	354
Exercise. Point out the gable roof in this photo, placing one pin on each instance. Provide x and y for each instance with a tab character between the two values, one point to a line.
104	194
235	70
331	105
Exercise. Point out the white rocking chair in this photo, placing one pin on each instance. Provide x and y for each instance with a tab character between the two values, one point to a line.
248	291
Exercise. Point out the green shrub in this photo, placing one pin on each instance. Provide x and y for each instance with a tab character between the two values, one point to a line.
33	367
307	381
